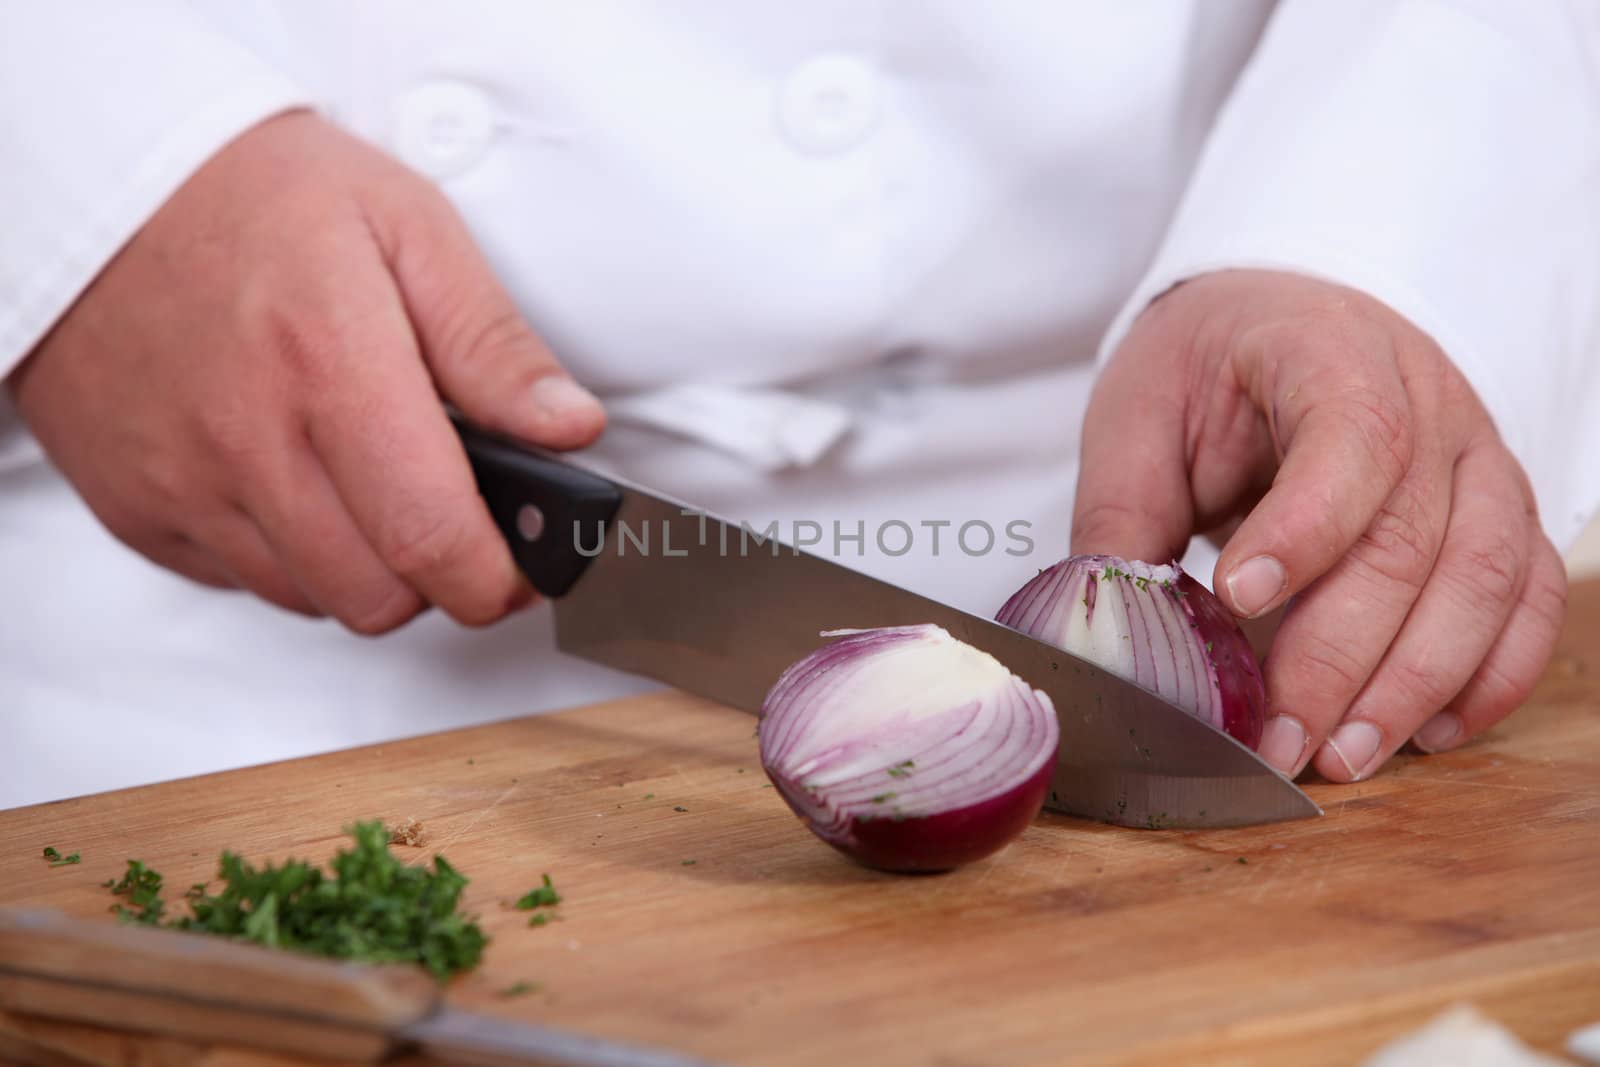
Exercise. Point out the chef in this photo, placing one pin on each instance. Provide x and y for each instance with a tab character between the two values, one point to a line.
1320	276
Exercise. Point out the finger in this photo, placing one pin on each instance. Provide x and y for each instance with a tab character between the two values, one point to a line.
1514	665
1132	498
307	526
376	426
482	353
1475	583
1336	632
184	557
232	539
226	552
1340	413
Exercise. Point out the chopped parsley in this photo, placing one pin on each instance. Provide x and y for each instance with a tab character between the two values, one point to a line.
901	769
541	896
520	989
56	859
141	887
368	907
883	798
689	863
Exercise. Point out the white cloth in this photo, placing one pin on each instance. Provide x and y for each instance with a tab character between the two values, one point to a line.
873	248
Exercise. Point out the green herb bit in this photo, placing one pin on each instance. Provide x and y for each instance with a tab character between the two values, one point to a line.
649	796
883	798
1241	859
543	896
539	918
901	769
688	863
679	807
368	906
520	989
58	860
50	853
141	886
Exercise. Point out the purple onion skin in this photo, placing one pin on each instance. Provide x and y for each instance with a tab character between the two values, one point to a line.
1240	689
949	819
1244	694
950	839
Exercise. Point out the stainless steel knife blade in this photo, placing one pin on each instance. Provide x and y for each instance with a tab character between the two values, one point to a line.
468	1040
719	609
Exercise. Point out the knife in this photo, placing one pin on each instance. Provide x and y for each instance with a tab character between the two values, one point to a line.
208	989
659	588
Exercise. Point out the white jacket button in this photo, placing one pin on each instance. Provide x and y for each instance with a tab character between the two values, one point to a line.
443	128
829	104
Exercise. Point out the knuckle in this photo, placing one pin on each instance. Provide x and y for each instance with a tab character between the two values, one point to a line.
1382	426
167	479
1499	689
1492	571
1106	523
374	616
292	342
1329	670
1399	544
231	435
482	344
127	524
1423	685
422	540
1546	597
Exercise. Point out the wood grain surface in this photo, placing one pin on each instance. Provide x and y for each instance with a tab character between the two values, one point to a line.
700	916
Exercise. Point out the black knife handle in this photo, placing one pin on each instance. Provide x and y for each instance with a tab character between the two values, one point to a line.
553	515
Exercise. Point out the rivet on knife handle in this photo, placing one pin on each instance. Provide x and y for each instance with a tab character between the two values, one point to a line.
549	512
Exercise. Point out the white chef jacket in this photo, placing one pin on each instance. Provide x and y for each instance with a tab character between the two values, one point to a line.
833	262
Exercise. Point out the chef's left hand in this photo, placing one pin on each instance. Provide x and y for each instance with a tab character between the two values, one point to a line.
1373	489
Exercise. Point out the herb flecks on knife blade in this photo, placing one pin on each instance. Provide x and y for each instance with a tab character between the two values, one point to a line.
370	907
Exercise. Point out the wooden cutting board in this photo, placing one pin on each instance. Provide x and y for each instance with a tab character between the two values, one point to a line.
700	916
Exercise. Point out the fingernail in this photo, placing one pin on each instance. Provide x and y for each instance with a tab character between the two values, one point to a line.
1355	743
1256	583
557	397
1439	732
1283	744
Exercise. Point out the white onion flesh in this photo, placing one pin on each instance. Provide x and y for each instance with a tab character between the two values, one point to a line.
1153	625
907	749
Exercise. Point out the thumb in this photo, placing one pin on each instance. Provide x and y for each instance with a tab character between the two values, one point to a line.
483	355
1133	498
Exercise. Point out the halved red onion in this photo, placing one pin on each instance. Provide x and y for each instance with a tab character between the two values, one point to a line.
1154	625
907	749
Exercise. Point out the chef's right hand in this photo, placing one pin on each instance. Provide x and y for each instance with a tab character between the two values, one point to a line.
249	393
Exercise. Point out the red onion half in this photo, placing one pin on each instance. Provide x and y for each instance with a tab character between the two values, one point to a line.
907	749
1153	625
